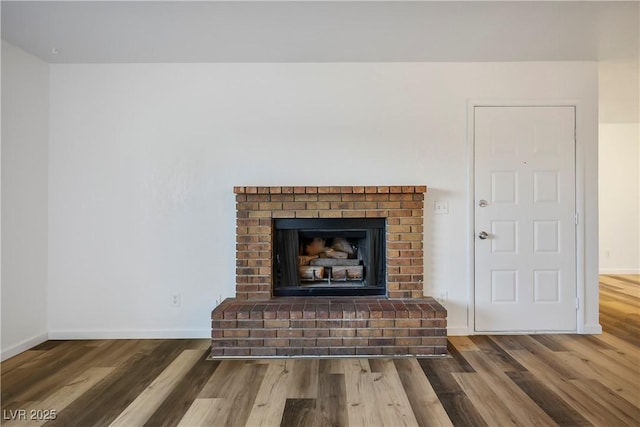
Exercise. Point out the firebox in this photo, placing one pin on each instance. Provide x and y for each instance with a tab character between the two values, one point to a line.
329	257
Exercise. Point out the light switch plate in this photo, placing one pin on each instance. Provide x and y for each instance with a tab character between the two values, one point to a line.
441	207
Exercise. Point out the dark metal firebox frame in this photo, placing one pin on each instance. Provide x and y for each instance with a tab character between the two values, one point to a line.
343	226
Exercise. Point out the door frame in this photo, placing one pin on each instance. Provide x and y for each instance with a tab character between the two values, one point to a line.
579	199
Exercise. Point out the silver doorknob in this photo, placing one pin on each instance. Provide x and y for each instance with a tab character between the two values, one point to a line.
483	235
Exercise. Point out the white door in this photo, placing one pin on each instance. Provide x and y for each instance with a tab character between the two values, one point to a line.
525	264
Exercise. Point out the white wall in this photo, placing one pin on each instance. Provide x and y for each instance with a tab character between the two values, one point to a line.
143	158
25	121
619	183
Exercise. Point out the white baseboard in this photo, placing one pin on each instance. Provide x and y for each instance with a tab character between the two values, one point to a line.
591	329
457	331
129	334
620	271
25	345
462	331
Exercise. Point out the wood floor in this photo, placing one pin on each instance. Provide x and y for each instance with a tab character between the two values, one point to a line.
549	380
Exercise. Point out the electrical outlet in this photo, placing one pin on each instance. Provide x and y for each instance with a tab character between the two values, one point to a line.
443	297
175	300
607	253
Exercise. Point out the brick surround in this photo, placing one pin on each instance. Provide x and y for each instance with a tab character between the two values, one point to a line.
402	206
256	324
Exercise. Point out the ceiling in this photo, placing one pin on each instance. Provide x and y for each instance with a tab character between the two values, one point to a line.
321	31
340	31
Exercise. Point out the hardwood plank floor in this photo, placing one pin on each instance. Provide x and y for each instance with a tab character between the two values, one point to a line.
547	380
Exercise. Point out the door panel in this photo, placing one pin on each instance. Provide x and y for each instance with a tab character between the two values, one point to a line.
525	269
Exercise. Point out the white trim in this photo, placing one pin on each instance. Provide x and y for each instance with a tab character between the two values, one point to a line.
581	327
619	271
102	334
592	329
525	332
458	331
581	293
471	189
22	346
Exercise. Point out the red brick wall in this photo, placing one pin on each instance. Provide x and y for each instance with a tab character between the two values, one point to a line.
402	206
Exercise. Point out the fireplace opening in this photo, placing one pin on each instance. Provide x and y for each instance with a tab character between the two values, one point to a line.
329	257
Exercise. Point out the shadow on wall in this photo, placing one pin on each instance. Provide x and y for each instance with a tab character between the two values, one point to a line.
435	238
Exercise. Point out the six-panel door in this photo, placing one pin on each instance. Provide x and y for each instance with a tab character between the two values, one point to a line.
525	266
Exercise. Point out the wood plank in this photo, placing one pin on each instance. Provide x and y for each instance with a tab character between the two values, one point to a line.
494	352
456	403
203	412
489	405
521	406
623	295
330	366
332	399
52	344
272	395
632	279
393	403
584	403
362	409
236	384
610	360
20	360
623	329
550	358
117	352
222	378
550	342
463	343
150	399
424	401
620	307
241	397
625	387
549	402
86	354
624	348
304	379
632	366
621	408
459	358
175	406
620	290
61	398
508	342
46	373
104	402
299	413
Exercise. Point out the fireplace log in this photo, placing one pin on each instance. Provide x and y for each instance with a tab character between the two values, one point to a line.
341	244
308	273
306	259
316	247
330	262
330	253
347	272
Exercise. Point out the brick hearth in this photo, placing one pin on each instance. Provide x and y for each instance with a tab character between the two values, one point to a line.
337	326
255	324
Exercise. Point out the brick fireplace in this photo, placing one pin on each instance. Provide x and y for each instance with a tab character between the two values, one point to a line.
400	322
